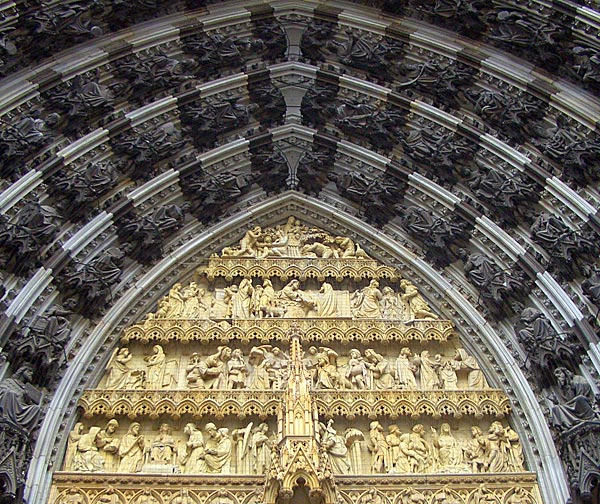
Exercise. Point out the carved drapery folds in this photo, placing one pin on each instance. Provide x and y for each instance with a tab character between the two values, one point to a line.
264	389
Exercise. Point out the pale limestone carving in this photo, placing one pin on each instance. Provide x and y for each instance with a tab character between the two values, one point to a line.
476	450
108	442
448	377
379	448
405	370
238	370
415	307
87	458
429	371
515	453
497	456
327	303
390	304
296	302
74	436
335	448
156	369
328	376
162	450
416	451
120	375
217	451
260	449
259	379
475	377
241	438
195	371
448	452
241	300
147	498
366	302
183	498
192	458
356	370
354	439
176	304
216	369
131	450
379	368
394	452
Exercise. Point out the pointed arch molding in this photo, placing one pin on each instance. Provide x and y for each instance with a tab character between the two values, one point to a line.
484	340
491	339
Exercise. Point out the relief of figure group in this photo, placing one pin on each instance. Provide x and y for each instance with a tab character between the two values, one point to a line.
266	368
257	299
396	452
213	450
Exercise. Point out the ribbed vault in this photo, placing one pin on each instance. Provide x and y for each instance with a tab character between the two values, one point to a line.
140	137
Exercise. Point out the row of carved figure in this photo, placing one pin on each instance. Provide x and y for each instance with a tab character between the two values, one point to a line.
481	495
266	368
294	239
248	301
246	450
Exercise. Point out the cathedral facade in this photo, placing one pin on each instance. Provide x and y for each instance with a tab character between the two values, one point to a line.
274	251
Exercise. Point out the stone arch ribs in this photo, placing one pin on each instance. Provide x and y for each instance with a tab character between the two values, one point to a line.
150	118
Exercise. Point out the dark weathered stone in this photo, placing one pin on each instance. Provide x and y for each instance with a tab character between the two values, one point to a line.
509	197
442	82
204	122
81	102
148	74
89	285
586	66
567	247
42	344
16	449
273	36
20	140
314	39
577	154
318	104
440	153
313	169
76	192
381	127
270	103
142	237
270	169
23	238
496	285
440	237
143	150
211	194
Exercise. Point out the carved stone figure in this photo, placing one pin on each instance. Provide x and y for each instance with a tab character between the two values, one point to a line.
335	448
314	39
327	303
242	299
515	453
573	405
366	302
195	371
77	191
379	371
131	450
216	369
193	458
108	442
91	282
142	237
87	457
429	370
156	369
238	370
22	238
497	448
259	379
144	150
565	245
378	446
476	450
19	400
74	436
217	452
270	168
120	375
328	376
495	284
80	101
204	122
357	370
475	377
415	306
314	166
415	451
591	285
449	453
271	104
297	303
260	449
21	139
405	370
150	72
390	304
163	450
354	439
448	376
395	450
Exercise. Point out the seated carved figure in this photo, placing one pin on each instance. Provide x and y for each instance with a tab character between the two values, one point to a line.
574	404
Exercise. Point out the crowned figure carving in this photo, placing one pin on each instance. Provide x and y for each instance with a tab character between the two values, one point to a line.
294	367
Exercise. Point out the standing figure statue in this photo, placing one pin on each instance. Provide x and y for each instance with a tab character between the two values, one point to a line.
131	450
405	370
335	448
378	446
260	448
217	451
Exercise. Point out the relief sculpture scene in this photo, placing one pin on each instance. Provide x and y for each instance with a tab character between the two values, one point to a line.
292	358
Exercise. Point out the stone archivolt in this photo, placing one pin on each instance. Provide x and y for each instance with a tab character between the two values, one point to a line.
310	385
